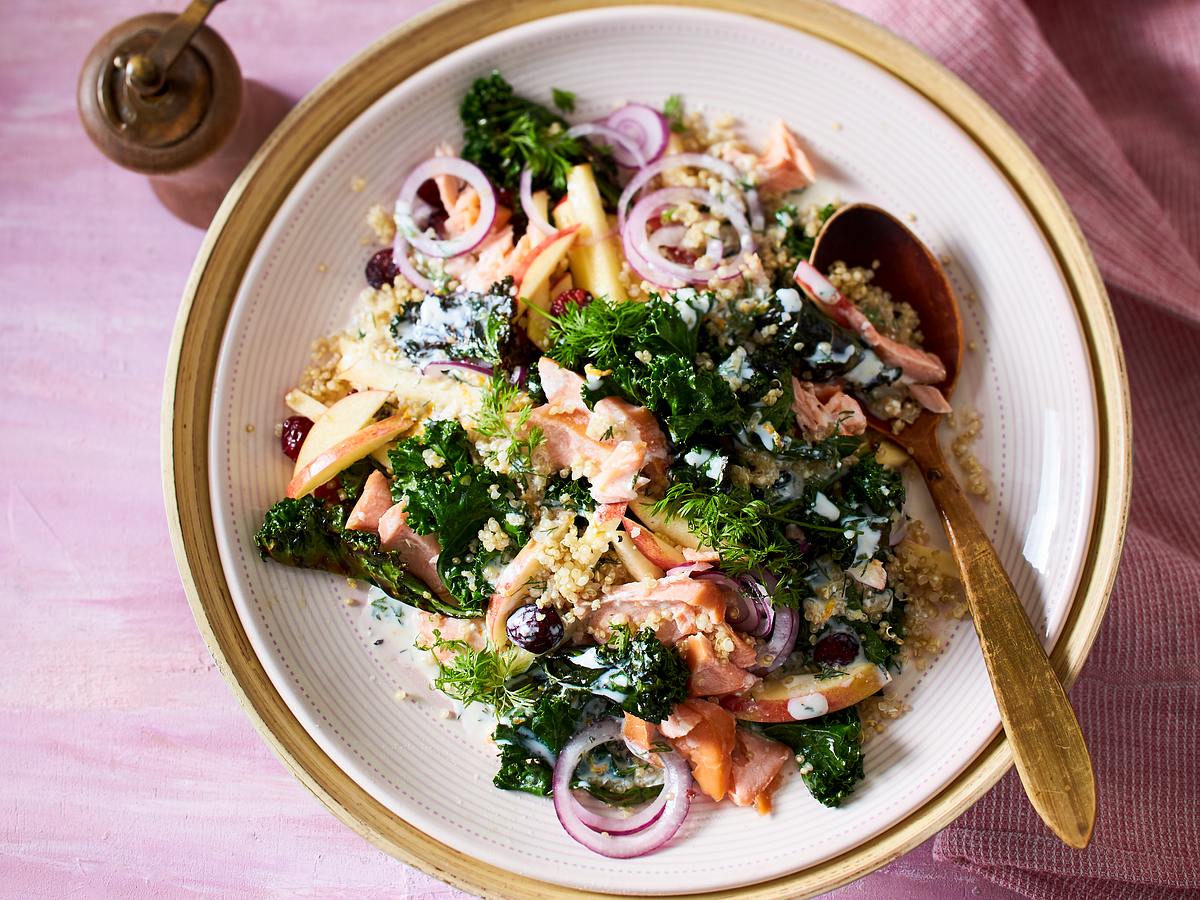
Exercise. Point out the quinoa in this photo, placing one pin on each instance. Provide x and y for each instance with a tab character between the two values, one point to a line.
967	426
894	318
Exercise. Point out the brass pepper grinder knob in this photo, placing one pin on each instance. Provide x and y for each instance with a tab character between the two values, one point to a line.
163	95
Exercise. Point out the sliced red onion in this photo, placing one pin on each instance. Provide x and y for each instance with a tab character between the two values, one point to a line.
616	140
407	207
781	643
760	596
531	213
520	375
646	126
634	234
667	236
741	612
407	269
602	837
443	364
699	161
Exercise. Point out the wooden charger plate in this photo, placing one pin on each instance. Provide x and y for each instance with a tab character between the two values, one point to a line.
198	373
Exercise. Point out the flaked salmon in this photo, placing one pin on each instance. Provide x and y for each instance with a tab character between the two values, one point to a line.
757	762
705	735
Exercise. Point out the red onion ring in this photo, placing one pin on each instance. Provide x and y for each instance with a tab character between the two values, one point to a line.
741	612
646	126
688	569
781	643
443	364
699	161
760	596
634	233
602	838
615	139
406	267
406	205
531	213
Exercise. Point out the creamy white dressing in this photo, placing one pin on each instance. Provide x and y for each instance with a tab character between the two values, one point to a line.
807	707
866	370
711	463
789	299
868	543
825	508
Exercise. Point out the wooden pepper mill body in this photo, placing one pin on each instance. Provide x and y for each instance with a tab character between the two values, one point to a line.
190	122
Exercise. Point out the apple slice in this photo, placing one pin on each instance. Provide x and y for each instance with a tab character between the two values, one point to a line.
333	460
633	559
793	698
675	529
565	283
539	264
346	417
660	553
303	404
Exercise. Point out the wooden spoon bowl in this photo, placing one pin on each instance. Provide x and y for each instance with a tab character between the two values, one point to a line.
867	236
1046	742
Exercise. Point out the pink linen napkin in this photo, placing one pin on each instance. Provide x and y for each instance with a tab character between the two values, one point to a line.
1107	93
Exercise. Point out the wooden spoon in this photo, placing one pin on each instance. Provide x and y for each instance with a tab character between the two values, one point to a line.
1043	732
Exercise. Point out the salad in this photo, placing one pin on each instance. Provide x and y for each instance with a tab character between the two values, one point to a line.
598	434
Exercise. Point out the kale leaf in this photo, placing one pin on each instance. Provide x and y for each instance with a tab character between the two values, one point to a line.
520	770
795	240
504	134
463	325
874	485
449	495
648	351
828	750
633	669
308	533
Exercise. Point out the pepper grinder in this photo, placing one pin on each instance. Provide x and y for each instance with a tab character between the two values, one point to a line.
163	95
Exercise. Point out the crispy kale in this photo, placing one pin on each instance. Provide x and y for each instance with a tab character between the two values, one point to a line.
648	351
450	495
828	751
633	669
463	325
308	533
503	134
875	486
652	675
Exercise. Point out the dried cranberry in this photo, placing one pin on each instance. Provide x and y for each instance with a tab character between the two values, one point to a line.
329	491
681	255
837	649
428	191
381	269
535	630
295	430
578	296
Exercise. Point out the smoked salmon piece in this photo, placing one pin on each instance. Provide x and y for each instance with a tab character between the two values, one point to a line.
784	166
705	735
757	762
419	551
469	631
817	418
675	606
713	675
373	502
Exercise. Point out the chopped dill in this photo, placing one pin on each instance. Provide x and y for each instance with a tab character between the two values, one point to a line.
482	676
504	413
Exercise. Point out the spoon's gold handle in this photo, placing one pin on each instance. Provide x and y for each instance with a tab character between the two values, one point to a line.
1048	747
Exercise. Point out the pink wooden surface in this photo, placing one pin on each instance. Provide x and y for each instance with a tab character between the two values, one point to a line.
126	767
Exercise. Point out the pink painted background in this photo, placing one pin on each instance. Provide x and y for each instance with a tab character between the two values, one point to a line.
126	768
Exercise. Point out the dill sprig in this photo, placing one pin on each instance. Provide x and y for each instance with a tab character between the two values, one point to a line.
504	412
482	676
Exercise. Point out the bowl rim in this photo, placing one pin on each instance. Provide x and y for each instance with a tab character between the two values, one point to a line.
248	210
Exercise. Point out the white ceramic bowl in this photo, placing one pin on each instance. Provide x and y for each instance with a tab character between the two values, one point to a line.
873	139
